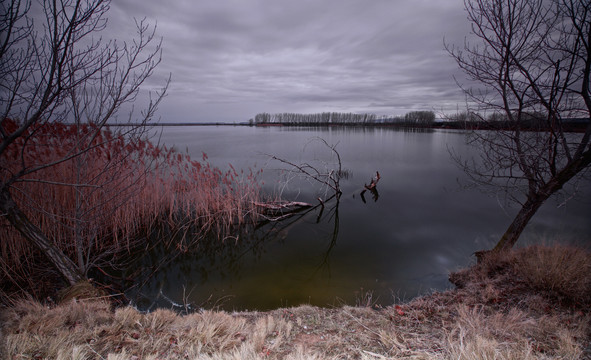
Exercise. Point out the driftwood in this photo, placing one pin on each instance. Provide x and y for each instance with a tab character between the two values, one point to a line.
374	182
372	187
278	206
276	211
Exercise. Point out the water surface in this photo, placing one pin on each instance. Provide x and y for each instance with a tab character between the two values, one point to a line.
423	225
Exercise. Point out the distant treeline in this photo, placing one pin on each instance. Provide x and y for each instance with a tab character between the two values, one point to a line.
415	118
419	119
497	121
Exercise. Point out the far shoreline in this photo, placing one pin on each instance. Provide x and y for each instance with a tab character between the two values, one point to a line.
568	126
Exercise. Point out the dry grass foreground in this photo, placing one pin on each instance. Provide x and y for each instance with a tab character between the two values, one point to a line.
532	303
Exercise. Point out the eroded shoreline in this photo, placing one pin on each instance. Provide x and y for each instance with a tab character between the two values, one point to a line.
532	303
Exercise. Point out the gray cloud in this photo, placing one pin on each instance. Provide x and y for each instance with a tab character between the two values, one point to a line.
230	59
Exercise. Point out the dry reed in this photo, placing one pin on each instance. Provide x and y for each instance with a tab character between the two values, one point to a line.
94	205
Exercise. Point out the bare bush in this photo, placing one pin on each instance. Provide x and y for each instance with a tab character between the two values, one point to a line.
56	68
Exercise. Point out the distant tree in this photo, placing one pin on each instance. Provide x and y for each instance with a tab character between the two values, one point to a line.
496	117
420	117
531	60
465	116
262	118
315	119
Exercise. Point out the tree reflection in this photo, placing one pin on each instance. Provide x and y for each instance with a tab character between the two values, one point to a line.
221	263
374	194
333	215
210	259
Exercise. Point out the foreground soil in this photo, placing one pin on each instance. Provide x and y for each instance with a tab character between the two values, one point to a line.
531	304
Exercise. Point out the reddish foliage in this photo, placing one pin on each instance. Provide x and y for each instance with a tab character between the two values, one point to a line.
95	203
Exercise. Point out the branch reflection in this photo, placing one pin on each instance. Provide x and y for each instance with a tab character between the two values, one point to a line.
213	268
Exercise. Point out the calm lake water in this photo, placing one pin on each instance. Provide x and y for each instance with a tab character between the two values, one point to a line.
424	224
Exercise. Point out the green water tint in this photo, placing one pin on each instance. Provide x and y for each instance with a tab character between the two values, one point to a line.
401	244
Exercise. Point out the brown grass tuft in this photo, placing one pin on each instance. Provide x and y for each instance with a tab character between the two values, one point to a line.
79	291
548	275
483	334
561	270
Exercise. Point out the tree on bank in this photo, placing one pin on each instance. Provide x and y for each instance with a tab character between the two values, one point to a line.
531	61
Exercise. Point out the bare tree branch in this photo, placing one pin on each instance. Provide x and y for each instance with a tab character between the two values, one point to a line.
533	61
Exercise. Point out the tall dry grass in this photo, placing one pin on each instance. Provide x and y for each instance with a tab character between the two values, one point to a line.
93	206
480	333
439	326
559	269
528	303
560	273
91	330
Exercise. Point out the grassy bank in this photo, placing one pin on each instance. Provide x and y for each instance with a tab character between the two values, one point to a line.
532	303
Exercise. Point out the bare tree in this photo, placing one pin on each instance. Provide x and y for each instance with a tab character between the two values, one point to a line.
531	61
56	68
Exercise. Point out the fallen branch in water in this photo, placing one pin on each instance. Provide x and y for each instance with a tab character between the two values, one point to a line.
372	188
327	177
306	169
276	211
282	205
374	182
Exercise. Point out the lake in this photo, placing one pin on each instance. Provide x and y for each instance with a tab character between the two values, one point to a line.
424	223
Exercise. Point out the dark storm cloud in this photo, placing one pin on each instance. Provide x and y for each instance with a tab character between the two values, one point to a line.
230	59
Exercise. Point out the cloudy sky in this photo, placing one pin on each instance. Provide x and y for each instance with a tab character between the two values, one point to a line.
231	59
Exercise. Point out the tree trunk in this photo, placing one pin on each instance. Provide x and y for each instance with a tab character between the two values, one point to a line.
19	220
534	202
514	230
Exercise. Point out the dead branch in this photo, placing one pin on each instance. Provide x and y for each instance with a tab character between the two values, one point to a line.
329	178
373	182
372	188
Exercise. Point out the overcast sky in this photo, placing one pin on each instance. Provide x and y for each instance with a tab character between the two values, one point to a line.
231	59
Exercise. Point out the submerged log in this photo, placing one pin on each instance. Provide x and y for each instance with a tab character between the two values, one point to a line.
275	211
282	206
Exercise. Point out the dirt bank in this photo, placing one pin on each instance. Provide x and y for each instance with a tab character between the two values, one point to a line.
533	303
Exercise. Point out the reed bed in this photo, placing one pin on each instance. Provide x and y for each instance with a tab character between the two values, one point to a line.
94	206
